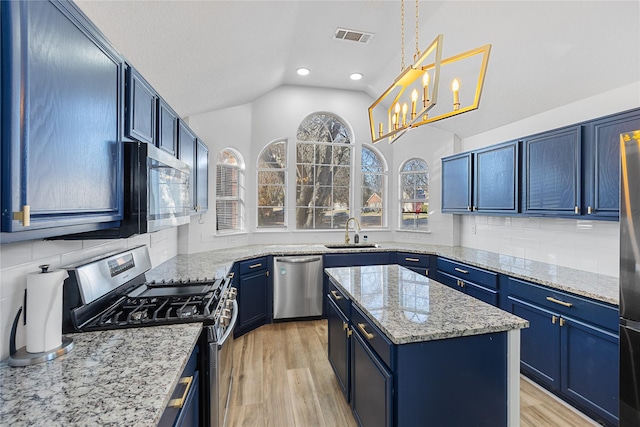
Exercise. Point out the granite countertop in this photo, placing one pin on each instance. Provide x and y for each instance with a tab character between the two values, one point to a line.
409	307
218	262
122	377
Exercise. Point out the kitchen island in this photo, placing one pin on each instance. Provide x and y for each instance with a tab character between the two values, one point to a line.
119	378
420	352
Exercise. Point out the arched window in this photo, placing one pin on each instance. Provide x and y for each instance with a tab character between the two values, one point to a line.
272	168
414	195
323	172
373	175
229	192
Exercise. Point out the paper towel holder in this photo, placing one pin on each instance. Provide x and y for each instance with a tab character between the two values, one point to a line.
22	357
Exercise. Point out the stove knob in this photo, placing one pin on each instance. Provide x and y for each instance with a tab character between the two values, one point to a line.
225	317
232	293
228	304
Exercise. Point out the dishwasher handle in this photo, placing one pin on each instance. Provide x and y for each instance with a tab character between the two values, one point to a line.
298	260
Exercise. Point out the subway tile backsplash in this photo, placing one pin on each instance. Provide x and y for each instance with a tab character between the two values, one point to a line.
585	245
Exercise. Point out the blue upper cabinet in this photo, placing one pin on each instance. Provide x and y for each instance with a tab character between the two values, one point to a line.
456	183
62	157
202	177
167	131
602	163
496	175
187	140
140	108
551	173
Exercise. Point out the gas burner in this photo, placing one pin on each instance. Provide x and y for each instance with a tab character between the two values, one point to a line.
138	316
187	311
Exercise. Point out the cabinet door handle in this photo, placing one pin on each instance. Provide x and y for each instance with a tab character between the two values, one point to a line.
367	335
589	210
267	273
24	215
179	403
412	259
459	270
231	275
469	208
557	301
335	295
349	332
562	321
554	319
256	265
475	209
345	326
576	210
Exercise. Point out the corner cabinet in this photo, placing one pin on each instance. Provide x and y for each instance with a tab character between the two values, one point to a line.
602	163
254	294
551	172
62	106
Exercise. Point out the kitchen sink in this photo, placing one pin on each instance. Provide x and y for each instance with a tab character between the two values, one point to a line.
351	245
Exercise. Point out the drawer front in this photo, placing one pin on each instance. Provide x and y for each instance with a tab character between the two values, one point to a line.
251	265
565	303
371	335
465	272
410	260
341	300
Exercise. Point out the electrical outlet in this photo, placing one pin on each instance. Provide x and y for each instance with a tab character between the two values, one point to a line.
473	229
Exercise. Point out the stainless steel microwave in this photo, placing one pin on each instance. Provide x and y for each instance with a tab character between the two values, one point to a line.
156	190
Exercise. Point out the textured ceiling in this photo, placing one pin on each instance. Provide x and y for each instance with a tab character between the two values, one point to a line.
207	55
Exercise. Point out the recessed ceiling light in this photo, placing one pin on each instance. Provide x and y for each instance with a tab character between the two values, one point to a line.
355	76
302	71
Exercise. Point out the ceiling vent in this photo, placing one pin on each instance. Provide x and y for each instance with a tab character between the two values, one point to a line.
352	35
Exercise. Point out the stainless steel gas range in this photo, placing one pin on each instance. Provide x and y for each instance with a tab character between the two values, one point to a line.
111	292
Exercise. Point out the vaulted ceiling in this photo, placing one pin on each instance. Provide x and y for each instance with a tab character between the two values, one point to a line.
207	55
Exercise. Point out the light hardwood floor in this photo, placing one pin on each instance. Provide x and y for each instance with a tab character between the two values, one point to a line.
283	379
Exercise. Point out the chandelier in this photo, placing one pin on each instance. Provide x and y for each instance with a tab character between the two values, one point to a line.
411	100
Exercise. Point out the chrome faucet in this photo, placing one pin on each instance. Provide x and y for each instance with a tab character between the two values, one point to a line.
346	229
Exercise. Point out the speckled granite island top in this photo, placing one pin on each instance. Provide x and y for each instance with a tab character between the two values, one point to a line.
218	262
110	378
409	307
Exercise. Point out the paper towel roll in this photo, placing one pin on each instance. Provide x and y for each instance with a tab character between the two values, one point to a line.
44	310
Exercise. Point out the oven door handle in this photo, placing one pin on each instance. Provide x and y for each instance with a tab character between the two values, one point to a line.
232	324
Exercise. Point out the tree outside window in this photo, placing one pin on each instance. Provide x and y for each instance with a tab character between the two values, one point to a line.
414	195
229	192
323	172
373	175
271	167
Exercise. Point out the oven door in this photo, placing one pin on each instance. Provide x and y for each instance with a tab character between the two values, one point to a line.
221	368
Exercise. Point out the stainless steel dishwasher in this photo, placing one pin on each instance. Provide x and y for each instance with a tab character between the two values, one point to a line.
297	287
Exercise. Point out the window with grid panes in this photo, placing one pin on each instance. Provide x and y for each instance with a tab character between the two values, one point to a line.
373	181
414	195
323	172
271	167
229	192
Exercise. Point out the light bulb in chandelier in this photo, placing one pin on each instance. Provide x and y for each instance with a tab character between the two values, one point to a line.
414	99
425	86
455	87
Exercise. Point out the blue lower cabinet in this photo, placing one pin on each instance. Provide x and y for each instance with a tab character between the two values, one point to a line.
338	345
371	386
254	294
183	409
539	343
588	375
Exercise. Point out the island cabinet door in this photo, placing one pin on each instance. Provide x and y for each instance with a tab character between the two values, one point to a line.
339	351
539	343
590	368
371	386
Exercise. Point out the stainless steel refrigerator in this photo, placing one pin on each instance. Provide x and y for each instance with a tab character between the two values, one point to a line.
630	279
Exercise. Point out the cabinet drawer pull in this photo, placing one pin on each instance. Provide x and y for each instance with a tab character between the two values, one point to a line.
178	403
412	259
256	265
459	270
557	301
335	295
367	335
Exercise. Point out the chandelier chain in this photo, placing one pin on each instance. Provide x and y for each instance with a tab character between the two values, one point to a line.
415	58
402	36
